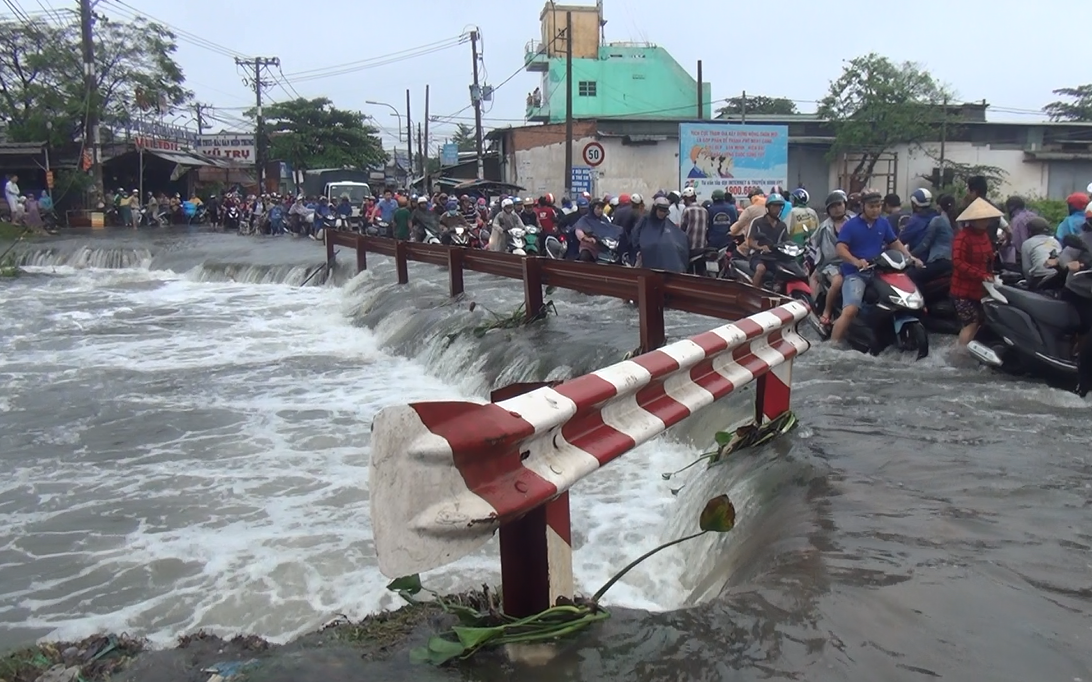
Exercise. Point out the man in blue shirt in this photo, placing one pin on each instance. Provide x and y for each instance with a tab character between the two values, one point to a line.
860	240
387	206
722	216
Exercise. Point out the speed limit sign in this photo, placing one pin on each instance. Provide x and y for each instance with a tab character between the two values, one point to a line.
593	154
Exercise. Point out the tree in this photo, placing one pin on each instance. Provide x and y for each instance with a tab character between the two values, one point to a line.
465	137
42	91
1078	110
312	133
877	104
758	104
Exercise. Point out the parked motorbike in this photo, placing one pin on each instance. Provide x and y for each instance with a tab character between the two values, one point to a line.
786	276
1032	332
889	314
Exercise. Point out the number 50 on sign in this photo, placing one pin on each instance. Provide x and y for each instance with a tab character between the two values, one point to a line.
593	154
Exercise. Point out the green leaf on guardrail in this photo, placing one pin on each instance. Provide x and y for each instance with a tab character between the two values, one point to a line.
724	437
473	638
410	584
719	515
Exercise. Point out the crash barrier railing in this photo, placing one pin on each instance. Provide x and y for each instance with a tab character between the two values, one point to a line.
445	476
653	291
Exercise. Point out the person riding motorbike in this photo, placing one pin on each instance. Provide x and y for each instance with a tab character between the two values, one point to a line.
592	227
1073	224
721	216
528	215
657	243
1075	292
1039	255
803	220
755	210
567	224
674	213
694	221
928	235
824	243
505	220
973	255
423	222
861	239
765	234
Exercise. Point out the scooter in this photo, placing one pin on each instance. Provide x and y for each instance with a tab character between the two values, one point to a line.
232	218
1029	332
516	242
789	277
889	314
553	247
608	251
460	236
532	239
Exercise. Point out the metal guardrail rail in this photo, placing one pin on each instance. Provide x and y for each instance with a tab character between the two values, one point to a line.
653	290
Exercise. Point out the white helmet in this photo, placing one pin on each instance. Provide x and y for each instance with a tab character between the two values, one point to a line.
689	193
614	201
636	199
507	203
921	197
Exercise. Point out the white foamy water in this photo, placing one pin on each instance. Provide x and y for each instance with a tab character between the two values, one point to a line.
181	454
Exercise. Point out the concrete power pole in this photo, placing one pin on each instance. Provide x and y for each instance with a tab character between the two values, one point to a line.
199	109
476	100
91	135
569	104
256	66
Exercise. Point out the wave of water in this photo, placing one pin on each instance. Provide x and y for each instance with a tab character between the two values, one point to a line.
190	451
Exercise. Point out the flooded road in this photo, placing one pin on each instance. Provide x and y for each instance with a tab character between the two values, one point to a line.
184	442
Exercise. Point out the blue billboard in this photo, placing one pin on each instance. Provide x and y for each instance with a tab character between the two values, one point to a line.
732	157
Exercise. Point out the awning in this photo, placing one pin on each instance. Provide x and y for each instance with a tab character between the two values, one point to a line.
183	158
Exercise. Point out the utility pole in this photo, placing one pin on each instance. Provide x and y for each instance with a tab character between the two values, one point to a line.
91	124
200	109
257	64
476	100
701	109
569	103
409	142
420	152
743	108
428	177
943	140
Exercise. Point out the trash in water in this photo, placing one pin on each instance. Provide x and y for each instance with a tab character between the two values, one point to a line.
228	669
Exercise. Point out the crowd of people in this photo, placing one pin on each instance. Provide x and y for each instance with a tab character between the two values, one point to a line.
32	211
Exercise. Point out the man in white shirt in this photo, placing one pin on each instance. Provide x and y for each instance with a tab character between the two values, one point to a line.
11	194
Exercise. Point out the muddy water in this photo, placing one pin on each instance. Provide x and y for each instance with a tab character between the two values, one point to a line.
928	519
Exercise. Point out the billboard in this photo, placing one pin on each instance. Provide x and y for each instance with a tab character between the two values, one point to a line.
238	147
733	157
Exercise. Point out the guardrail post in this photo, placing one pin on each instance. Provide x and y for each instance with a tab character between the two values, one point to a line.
455	271
401	264
650	301
361	254
328	237
537	549
772	393
532	288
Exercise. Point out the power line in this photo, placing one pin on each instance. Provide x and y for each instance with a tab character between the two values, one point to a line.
181	34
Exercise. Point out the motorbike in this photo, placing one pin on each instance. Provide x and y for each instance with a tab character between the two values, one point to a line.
232	218
890	312
553	247
328	222
460	236
516	241
1032	332
788	277
608	250
531	237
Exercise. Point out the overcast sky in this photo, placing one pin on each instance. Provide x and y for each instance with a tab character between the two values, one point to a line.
983	49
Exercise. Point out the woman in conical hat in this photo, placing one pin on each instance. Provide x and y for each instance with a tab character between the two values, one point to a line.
972	264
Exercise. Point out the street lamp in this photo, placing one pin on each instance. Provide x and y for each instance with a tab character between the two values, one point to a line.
391	107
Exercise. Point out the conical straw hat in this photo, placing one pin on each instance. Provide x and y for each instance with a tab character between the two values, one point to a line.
980	209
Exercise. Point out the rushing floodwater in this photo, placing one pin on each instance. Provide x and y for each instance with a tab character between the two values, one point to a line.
184	444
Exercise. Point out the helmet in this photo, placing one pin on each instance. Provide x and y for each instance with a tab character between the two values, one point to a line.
528	201
421	199
836	197
1078	201
661	202
718	195
451	205
775	200
586	195
673	196
800	197
636	199
581	202
481	201
623	198
870	195
755	192
776	189
614	201
507	203
689	193
606	198
549	198
921	197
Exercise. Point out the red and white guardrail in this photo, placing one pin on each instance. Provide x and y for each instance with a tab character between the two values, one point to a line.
446	475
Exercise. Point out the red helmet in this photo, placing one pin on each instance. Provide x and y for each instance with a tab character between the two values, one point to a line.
1078	201
549	198
623	199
